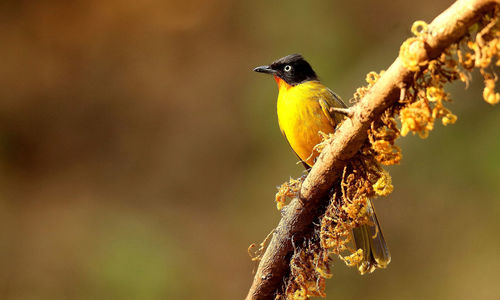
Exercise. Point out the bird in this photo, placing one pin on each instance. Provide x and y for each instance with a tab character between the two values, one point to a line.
305	108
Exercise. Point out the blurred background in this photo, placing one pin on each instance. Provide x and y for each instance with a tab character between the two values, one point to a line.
139	153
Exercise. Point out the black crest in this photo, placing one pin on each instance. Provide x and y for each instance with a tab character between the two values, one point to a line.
294	69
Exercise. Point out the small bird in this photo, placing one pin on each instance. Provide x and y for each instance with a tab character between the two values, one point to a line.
306	107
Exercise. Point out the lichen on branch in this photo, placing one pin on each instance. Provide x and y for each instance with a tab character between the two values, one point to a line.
421	104
334	196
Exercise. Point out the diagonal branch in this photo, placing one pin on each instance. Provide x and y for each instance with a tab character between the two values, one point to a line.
298	216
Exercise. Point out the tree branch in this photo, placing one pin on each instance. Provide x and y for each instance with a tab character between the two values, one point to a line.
298	216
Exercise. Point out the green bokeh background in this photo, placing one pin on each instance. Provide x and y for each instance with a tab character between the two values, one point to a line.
139	154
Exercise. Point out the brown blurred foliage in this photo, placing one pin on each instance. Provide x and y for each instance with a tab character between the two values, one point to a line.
139	154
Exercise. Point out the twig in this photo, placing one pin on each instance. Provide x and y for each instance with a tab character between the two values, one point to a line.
344	111
297	219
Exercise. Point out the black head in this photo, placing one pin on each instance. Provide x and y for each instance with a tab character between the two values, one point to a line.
293	69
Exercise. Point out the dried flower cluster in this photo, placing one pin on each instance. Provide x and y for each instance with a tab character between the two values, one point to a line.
421	104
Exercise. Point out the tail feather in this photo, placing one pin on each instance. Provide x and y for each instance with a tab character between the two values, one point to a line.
370	239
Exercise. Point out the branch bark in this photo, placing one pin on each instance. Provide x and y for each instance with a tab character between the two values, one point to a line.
298	216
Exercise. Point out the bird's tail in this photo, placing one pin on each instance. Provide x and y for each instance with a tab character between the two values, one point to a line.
370	239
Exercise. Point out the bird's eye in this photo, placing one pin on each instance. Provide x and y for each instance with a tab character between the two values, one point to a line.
287	68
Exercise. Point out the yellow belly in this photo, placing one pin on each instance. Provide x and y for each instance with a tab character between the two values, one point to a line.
301	117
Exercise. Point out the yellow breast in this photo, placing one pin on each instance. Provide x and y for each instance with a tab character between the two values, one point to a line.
301	117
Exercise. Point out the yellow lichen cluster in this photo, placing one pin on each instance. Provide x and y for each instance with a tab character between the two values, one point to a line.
325	138
423	101
354	259
309	269
382	133
362	179
484	50
412	52
371	78
383	186
489	94
256	254
287	190
382	136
